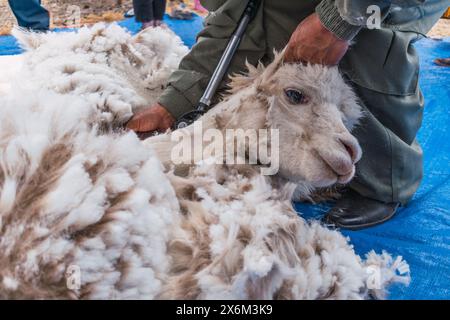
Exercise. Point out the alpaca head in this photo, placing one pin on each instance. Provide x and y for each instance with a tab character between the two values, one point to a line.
314	111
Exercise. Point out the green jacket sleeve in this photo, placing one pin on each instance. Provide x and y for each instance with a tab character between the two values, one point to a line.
346	17
332	20
186	85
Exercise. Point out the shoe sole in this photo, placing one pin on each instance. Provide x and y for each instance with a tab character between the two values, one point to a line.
367	225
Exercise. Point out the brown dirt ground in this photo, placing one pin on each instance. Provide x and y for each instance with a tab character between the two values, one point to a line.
113	10
440	29
91	12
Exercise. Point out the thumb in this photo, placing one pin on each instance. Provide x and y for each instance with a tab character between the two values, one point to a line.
143	122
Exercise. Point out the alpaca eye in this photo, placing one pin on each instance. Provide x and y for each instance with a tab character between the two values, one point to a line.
295	96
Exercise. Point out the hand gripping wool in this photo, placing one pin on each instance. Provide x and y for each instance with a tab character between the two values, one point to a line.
87	211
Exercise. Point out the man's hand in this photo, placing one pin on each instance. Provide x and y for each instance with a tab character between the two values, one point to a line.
312	42
155	118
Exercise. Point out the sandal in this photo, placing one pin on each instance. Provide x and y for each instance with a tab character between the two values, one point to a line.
443	62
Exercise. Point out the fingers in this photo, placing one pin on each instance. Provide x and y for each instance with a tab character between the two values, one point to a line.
151	119
144	121
305	53
312	43
289	55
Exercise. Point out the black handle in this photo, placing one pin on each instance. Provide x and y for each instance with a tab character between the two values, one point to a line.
249	14
190	117
252	8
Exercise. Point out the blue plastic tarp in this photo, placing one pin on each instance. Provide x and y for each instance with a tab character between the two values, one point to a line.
186	29
420	232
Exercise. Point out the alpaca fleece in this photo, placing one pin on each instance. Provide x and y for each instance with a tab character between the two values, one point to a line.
241	239
72	197
75	192
115	73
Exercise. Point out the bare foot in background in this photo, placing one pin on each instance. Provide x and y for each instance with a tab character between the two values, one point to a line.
199	7
443	62
149	24
159	23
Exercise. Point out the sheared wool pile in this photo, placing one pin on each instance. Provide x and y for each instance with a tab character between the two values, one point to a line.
241	239
71	197
114	73
74	192
9	66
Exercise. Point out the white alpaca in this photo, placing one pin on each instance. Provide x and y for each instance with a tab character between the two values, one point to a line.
74	195
10	66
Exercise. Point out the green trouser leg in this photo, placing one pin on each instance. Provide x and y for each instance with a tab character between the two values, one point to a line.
382	66
383	69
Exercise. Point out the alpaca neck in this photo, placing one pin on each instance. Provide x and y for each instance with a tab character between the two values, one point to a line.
239	110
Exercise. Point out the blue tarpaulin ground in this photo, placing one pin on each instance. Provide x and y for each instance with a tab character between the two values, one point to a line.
421	231
186	29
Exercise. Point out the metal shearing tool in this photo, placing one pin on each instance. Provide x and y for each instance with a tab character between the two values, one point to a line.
205	101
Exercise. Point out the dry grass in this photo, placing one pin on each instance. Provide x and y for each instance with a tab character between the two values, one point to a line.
108	16
91	12
59	19
5	30
441	29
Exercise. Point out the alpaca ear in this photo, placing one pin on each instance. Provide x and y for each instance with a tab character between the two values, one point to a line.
28	40
273	67
266	79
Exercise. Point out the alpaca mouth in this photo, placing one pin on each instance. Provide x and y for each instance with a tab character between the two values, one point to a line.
343	171
346	178
342	162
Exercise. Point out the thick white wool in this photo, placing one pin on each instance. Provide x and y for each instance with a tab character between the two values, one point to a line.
113	72
77	196
72	197
259	248
10	67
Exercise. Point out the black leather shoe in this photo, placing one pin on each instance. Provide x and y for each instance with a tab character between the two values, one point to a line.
355	212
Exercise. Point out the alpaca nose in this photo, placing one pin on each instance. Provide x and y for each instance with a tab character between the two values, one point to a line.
352	147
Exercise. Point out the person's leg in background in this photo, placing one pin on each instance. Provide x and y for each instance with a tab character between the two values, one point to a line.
143	12
30	14
159	9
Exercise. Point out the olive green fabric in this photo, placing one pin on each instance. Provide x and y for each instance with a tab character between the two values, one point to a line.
381	65
270	29
402	15
331	18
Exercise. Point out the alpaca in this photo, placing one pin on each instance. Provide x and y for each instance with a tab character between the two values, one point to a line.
317	148
91	212
69	196
240	236
10	65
